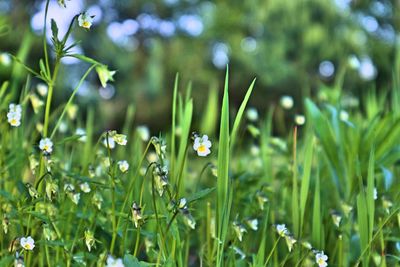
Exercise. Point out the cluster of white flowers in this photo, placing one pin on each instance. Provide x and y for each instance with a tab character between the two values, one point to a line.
14	115
202	145
114	137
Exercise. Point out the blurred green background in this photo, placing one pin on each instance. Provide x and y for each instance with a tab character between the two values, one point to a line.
293	47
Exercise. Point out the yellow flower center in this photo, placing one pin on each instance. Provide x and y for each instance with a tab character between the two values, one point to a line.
202	148
13	121
46	147
320	261
27	246
86	24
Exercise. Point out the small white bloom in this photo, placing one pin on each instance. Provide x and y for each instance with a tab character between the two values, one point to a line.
286	102
123	165
282	230
120	139
182	203
5	59
42	89
69	187
143	132
27	243
321	259
343	115
252	114
110	142
85	187
239	230
253	224
46	145
375	193
82	133
299	119
14	119
112	262
15	108
202	145
75	197
85	21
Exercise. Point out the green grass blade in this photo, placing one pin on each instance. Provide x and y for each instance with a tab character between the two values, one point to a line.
362	214
370	194
239	115
317	221
173	130
222	174
209	120
305	180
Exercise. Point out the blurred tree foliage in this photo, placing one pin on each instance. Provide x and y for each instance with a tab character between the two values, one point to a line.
293	47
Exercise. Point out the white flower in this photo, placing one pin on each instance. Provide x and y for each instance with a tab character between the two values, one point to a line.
286	102
120	139
46	145
343	115
202	145
42	89
85	187
112	262
253	224
321	259
14	115
110	142
282	230
182	203
75	197
85	21
143	132
375	193
82	133
239	230
252	114
299	119
5	59
69	187
123	165
27	243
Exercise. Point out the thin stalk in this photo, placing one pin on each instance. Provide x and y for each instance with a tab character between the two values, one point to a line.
272	251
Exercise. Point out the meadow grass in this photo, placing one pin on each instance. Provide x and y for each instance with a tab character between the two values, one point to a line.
326	192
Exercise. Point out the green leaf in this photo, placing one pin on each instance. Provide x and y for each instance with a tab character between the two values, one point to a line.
54	29
200	194
132	261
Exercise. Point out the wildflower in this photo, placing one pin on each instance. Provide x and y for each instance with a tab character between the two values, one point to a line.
75	197
109	142
112	262
69	187
14	115
239	230
282	230
32	191
306	244
105	75
97	200
5	59
161	178
123	165
253	224
386	204
63	127
336	217
82	133
120	139
33	163
72	111
136	214
27	243
346	209
182	203
189	220
261	199
46	145
299	119
343	115
89	240
143	132
286	102
375	193
252	114
239	252
160	146
85	187
202	145
85	21
19	260
42	89
5	223
290	241
321	259
48	233
62	3
36	102
51	188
